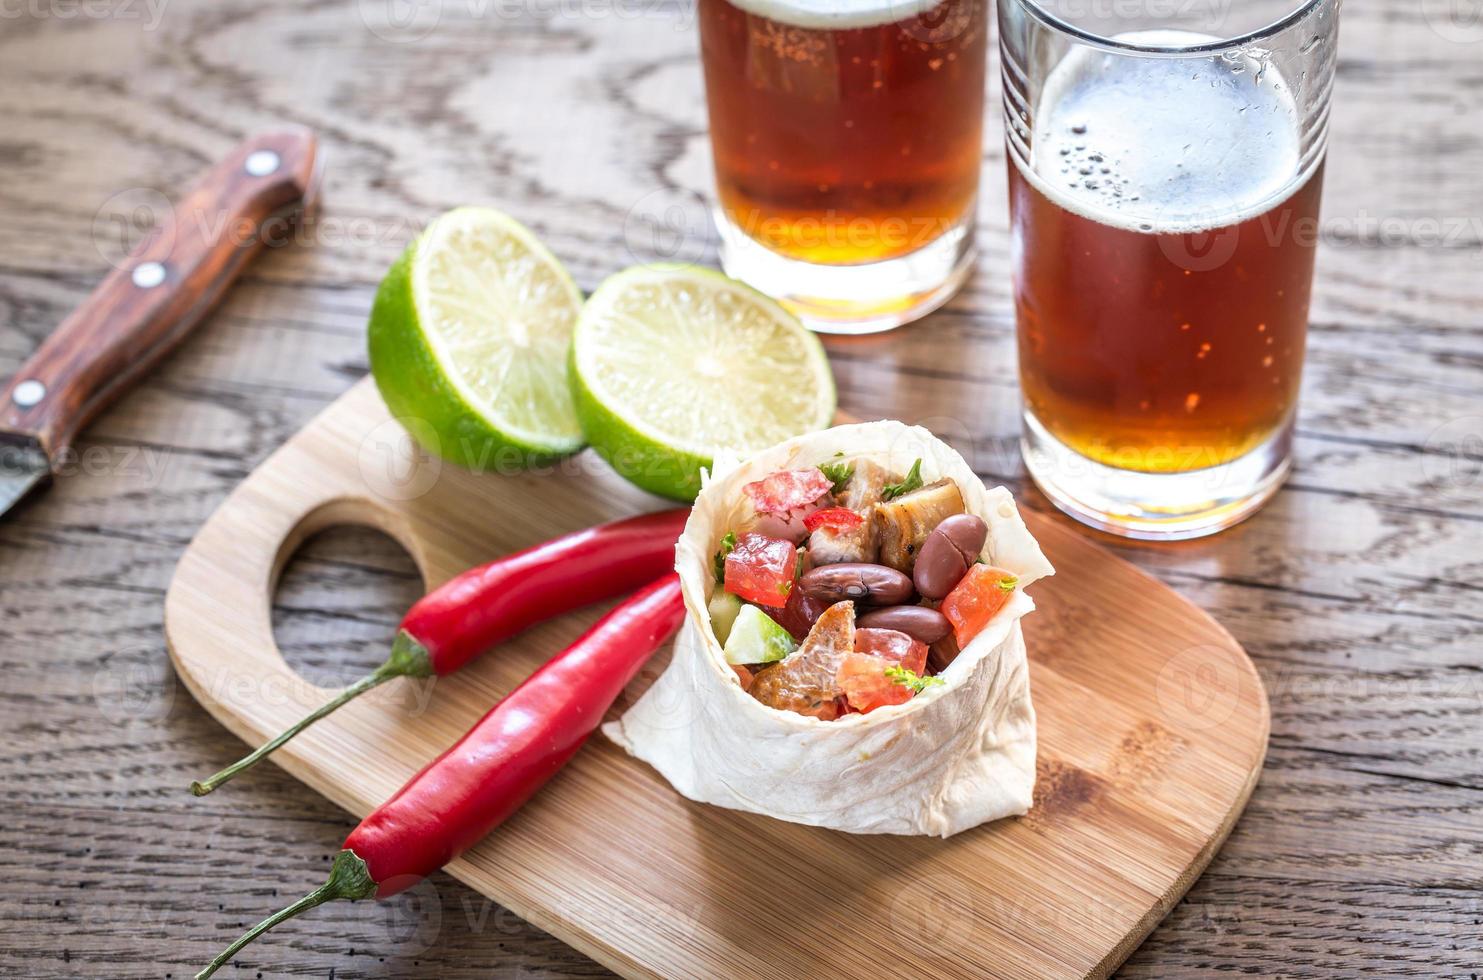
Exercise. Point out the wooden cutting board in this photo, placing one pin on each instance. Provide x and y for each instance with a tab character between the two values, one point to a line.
1153	726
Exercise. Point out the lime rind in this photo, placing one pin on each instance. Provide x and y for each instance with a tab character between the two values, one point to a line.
674	365
468	335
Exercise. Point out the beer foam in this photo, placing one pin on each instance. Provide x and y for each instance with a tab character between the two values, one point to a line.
835	14
1165	145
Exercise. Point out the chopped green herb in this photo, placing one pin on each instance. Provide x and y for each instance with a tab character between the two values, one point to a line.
784	588
906	678
837	473
912	482
1008	584
798	565
728	544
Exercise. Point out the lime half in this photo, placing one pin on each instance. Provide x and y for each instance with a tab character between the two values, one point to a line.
469	338
672	366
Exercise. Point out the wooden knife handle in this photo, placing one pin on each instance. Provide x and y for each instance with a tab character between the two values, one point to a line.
147	305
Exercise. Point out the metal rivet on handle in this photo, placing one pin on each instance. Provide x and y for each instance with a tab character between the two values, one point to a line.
149	275
28	393
262	163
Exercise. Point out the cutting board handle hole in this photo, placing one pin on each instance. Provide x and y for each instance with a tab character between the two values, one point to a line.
342	579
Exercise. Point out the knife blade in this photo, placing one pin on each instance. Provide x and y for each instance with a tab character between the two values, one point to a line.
23	468
147	305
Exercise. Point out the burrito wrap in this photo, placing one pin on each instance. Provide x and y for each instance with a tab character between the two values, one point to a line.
952	757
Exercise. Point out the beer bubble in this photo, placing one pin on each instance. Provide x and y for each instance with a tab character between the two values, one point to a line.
1178	149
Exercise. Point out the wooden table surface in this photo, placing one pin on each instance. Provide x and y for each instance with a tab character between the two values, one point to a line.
1358	591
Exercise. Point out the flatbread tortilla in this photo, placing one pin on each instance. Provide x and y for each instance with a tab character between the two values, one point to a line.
953	757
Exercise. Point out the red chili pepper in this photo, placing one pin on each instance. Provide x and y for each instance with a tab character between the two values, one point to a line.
471	612
524	740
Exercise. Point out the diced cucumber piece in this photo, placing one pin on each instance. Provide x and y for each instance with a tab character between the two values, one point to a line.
723	608
756	638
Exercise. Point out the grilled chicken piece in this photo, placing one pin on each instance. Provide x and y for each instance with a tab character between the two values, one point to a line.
830	547
865	486
827	546
902	525
788	525
804	680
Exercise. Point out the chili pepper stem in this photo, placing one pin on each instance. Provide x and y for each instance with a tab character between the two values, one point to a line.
408	659
349	879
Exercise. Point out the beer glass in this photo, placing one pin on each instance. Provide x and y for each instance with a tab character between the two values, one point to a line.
847	138
1165	166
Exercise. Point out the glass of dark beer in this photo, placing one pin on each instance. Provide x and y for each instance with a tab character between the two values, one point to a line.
847	137
1165	167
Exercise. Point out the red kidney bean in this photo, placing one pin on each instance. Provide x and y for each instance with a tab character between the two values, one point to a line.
799	614
918	622
941	654
873	585
952	546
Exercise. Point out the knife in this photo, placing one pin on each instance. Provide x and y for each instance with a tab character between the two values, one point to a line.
150	302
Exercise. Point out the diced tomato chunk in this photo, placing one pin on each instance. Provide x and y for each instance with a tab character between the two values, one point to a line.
893	646
760	569
834	518
787	490
977	599
866	687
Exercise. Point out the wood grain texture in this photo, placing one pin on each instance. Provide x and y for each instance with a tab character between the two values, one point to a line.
1128	810
1356	591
